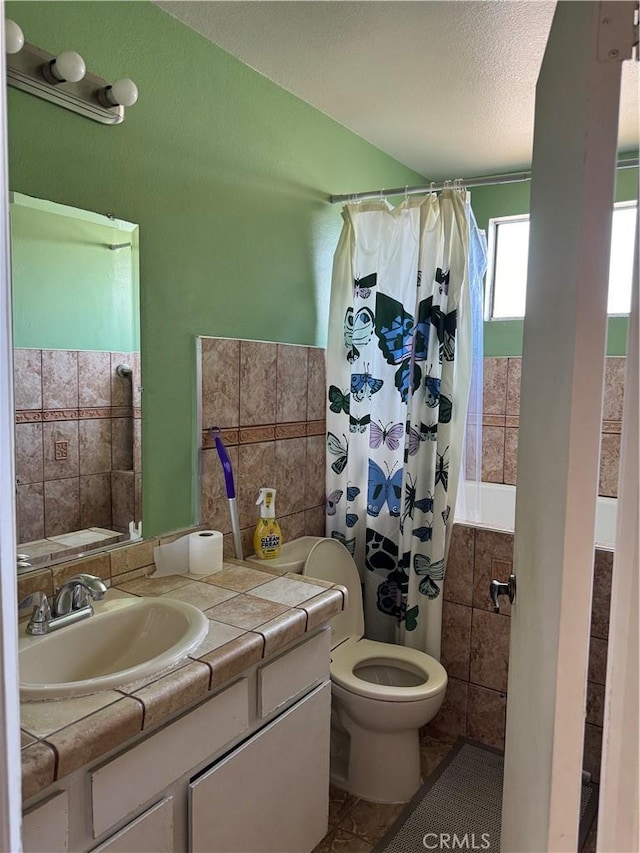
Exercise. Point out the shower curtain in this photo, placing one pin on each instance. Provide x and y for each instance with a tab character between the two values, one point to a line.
399	359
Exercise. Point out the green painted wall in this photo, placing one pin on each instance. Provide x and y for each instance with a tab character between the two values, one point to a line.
70	291
504	337
227	176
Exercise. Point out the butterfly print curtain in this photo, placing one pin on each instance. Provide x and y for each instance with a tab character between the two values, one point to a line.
398	372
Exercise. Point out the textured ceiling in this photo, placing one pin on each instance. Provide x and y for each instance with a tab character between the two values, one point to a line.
445	87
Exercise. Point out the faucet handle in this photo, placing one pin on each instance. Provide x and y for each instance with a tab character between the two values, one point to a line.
41	612
77	592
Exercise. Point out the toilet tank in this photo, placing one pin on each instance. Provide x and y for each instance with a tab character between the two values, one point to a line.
293	555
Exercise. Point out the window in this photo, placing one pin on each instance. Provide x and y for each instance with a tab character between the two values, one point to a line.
509	248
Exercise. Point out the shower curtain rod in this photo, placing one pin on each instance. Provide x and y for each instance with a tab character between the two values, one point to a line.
435	186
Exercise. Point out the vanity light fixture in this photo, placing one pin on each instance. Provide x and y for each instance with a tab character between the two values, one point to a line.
64	80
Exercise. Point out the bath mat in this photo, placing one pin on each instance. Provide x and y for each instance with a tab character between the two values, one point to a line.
459	806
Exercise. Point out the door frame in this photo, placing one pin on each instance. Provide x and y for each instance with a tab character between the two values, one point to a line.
572	195
10	763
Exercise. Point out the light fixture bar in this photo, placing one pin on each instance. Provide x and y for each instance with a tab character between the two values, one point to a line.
24	71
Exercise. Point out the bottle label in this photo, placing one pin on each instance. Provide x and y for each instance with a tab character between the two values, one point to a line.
269	542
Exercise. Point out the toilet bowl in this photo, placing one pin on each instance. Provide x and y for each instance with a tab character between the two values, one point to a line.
382	694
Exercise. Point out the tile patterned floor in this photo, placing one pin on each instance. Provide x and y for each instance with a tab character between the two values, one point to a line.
356	826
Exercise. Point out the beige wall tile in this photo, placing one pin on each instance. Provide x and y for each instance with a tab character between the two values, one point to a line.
510	456
214	502
122	499
88	739
458	579
514	376
94	379
316	384
35	582
291	456
234	657
29	453
486	716
95	501
493	454
493	559
30	511
609	465
98	565
315	476
132	557
59	379
137	444
292	526
220	382
27	371
168	695
456	639
489	650
38	768
256	469
61	506
613	388
495	385
314	521
60	442
137	497
95	445
601	600
122	444
452	716
121	386
291	399
258	379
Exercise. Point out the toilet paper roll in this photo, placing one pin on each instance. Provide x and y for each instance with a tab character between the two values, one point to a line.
205	552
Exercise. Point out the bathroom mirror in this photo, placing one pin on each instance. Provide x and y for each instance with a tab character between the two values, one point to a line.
76	337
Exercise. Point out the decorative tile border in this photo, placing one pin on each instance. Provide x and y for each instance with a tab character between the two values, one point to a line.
32	416
267	432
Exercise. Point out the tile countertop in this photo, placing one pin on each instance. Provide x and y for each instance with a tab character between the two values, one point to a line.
253	614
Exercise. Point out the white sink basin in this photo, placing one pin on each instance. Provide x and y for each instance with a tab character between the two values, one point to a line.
125	640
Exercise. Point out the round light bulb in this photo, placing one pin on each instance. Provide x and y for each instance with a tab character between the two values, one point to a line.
69	67
13	37
123	93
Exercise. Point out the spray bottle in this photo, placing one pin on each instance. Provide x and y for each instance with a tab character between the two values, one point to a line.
267	538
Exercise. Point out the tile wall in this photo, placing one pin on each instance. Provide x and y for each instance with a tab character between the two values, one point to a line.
475	641
501	405
269	401
77	441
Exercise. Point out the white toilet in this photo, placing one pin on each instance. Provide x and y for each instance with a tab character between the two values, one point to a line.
382	694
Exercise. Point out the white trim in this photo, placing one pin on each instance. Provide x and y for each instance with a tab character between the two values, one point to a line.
10	764
618	823
492	242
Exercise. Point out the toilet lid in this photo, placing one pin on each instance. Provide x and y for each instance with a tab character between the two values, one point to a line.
329	560
387	672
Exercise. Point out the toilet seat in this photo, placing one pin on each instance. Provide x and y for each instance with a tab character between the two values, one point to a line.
355	652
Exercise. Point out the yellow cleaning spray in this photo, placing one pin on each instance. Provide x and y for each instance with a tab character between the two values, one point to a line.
267	539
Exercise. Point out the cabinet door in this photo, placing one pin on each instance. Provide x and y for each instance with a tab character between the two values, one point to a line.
46	826
271	794
152	832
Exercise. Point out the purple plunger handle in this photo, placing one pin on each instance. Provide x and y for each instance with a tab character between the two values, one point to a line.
226	464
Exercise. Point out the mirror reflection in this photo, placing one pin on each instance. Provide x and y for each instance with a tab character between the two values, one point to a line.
76	336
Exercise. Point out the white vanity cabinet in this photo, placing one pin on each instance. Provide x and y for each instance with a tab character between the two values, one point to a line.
246	770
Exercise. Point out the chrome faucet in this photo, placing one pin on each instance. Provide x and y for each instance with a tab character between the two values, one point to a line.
71	604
